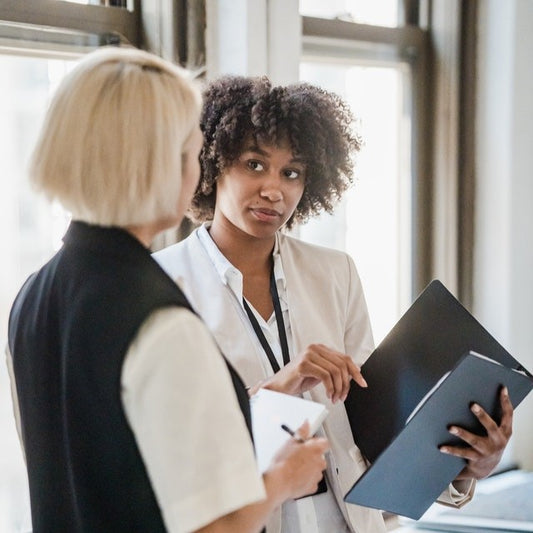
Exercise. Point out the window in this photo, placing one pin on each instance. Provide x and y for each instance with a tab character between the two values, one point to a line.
65	26
373	222
381	13
376	69
31	232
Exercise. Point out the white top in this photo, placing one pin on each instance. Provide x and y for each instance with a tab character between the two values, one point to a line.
185	416
316	514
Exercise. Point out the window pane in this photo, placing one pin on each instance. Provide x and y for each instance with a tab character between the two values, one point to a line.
373	222
375	12
30	232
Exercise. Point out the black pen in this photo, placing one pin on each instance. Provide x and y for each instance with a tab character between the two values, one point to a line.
292	433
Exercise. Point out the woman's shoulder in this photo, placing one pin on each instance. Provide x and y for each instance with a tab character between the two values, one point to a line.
289	244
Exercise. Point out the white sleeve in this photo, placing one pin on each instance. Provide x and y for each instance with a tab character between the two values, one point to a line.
458	493
180	402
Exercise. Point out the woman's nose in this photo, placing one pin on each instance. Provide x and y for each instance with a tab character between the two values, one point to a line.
271	188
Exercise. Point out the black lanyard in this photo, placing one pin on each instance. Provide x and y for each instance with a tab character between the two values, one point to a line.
322	487
280	324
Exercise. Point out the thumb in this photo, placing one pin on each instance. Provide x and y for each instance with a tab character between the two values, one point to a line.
303	431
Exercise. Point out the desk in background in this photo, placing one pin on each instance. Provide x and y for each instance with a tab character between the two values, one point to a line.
502	503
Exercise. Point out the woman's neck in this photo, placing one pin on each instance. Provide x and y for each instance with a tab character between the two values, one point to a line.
250	255
146	233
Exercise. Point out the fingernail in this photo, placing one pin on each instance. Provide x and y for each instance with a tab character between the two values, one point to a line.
444	449
365	384
454	430
505	391
476	409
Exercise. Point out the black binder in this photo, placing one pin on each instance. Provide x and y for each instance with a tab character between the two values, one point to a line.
435	337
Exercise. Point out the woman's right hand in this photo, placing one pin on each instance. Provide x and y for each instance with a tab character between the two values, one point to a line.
298	467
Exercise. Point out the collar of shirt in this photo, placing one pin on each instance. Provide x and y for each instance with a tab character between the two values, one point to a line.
231	276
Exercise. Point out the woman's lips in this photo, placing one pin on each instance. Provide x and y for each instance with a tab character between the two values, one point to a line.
265	214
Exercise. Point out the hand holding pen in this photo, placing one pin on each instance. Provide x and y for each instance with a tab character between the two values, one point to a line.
303	457
292	433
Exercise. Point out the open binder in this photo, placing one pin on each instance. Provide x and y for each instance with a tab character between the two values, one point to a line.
422	378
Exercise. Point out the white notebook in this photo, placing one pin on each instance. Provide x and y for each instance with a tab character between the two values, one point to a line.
270	410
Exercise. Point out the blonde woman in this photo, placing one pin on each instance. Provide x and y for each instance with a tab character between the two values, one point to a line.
129	417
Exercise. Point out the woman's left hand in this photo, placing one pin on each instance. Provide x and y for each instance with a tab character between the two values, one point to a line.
483	452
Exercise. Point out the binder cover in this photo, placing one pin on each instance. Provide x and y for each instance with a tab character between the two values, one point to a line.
428	341
410	474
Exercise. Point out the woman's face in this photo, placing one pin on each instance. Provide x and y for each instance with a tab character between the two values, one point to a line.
259	192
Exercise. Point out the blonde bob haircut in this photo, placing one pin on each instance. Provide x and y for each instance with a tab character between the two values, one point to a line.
111	146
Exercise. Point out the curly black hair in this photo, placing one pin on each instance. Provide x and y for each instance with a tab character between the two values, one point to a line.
318	125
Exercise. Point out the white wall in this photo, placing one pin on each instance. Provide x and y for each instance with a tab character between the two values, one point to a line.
503	262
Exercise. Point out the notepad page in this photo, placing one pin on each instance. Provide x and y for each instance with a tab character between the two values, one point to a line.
269	410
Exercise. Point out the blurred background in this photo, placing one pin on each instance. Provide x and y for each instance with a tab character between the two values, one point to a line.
441	94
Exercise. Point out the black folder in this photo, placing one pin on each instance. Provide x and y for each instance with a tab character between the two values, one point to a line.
436	337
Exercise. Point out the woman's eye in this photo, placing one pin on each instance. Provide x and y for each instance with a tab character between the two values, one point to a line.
256	166
292	174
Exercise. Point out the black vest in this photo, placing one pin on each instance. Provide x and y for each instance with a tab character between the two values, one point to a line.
70	328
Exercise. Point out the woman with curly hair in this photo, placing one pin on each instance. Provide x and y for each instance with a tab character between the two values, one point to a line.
314	124
289	315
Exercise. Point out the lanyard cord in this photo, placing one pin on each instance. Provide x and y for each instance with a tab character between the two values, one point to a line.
281	327
322	486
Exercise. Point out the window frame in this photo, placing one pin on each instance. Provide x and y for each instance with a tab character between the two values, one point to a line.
51	26
409	44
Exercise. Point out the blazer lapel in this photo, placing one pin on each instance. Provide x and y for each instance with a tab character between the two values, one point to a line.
201	280
314	313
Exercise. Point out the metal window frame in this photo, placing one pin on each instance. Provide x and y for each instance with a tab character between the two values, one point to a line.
48	26
408	44
467	151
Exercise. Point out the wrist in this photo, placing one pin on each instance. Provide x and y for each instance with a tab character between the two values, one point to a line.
270	383
276	487
254	388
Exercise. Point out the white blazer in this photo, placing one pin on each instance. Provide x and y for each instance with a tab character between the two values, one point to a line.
326	305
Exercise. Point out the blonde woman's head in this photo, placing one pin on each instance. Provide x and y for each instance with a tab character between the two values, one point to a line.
113	141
